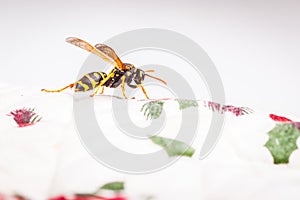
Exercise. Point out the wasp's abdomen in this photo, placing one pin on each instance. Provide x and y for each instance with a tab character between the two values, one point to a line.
89	81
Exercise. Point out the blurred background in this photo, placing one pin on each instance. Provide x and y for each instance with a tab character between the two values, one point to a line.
254	44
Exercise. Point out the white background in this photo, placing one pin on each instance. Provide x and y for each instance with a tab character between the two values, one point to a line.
254	44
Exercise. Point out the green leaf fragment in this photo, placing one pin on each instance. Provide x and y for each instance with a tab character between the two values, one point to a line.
183	103
152	109
35	119
115	186
173	147
282	142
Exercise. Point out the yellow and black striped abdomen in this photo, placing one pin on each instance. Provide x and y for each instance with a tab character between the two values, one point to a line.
89	81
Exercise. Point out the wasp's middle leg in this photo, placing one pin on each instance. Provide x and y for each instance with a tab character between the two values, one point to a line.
123	86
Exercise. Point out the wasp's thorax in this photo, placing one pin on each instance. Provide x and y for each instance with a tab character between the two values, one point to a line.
128	66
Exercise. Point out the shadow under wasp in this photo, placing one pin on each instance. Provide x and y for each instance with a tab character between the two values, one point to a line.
121	74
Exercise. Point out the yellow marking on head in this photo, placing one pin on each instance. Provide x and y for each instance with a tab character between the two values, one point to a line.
86	87
141	73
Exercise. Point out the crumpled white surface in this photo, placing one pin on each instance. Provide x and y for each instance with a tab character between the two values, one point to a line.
47	159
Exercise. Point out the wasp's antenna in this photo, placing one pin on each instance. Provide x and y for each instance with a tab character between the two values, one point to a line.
150	70
164	82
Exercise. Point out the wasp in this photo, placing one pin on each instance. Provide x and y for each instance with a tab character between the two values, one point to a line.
121	74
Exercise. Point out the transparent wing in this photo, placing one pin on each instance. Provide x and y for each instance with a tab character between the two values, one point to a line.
88	47
108	51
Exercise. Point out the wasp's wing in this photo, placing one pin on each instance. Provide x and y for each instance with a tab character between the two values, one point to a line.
108	51
88	47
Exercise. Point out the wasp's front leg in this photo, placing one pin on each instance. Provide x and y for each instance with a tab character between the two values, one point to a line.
144	91
139	85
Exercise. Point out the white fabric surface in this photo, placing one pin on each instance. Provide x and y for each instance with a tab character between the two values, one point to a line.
47	159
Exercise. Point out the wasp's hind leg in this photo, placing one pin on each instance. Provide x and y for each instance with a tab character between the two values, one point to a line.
101	84
69	86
